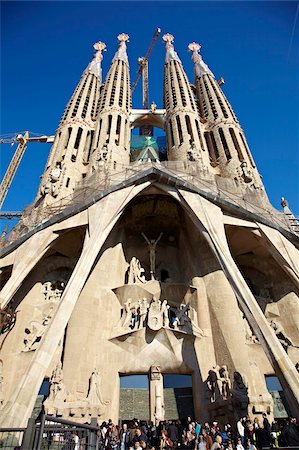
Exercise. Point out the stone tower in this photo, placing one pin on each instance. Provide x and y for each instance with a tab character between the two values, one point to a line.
69	156
173	266
111	142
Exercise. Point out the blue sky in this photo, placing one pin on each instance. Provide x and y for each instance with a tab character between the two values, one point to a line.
45	47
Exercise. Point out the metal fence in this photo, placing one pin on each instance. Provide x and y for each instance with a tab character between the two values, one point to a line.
52	433
11	438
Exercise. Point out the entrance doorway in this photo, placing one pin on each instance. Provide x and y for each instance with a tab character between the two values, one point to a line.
134	397
178	397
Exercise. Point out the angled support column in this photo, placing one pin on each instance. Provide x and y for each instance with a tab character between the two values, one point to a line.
283	251
25	259
103	216
210	218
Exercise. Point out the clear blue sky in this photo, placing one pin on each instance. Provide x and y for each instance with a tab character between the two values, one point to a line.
45	46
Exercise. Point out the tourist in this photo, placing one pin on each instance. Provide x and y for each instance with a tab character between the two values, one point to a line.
139	436
239	445
240	430
217	444
250	445
112	437
124	437
263	437
256	424
290	433
166	442
208	440
266	422
249	433
190	436
173	433
230	446
75	440
201	444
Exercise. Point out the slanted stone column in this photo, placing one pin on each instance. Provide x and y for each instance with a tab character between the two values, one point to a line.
157	410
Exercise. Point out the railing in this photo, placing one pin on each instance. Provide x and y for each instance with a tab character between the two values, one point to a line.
52	433
11	438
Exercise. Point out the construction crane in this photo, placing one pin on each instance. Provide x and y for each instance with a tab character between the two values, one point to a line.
143	70
22	139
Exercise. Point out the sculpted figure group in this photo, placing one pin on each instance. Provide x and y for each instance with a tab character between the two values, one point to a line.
156	314
221	388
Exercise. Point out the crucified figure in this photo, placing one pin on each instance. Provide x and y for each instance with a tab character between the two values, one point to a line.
152	243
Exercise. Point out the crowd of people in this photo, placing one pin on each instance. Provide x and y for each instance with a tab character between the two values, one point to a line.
248	434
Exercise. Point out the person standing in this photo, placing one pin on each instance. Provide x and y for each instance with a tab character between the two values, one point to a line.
173	433
124	437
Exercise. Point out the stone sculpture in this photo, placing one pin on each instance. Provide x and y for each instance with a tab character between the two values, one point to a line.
281	334
155	318
126	320
152	243
240	391
246	172
214	384
94	395
165	313
249	336
35	332
58	391
226	383
136	272
53	290
143	309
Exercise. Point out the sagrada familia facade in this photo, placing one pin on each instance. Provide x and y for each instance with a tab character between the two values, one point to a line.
157	261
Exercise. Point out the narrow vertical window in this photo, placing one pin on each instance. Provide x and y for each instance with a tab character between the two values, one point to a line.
78	138
170	134
179	129
118	124
236	144
189	129
109	128
224	144
214	145
210	147
69	130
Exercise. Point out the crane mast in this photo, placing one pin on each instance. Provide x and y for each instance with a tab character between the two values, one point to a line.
22	140
143	70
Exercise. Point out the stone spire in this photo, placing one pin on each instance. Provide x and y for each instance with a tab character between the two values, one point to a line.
70	152
111	142
171	54
225	139
183	127
122	48
95	66
200	67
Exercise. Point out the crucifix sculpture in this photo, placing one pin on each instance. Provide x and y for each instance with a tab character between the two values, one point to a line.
152	243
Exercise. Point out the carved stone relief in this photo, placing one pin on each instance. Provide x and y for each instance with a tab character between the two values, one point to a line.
52	291
61	402
34	332
156	315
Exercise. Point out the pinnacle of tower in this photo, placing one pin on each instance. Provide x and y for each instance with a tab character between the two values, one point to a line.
122	48
200	67
95	66
171	55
